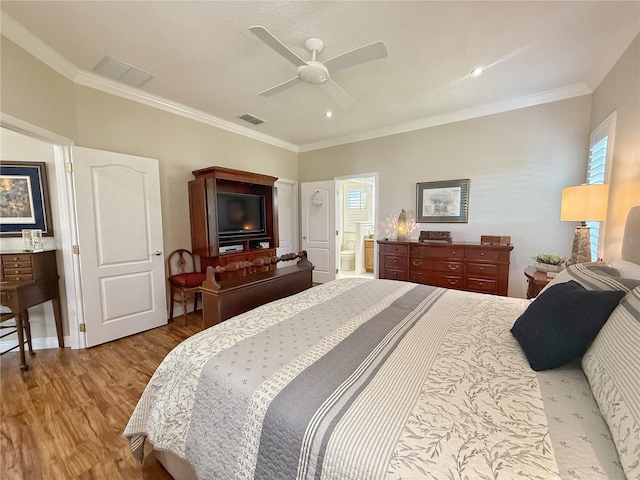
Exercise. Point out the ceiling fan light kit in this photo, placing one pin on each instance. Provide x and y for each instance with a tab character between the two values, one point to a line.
318	73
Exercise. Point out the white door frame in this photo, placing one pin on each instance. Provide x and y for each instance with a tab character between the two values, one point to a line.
373	175
66	206
295	205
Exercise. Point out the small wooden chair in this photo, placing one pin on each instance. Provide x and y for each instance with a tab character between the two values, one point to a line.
183	280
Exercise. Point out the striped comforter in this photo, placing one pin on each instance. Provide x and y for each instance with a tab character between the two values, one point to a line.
354	379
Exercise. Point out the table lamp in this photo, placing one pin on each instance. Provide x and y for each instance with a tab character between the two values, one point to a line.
584	203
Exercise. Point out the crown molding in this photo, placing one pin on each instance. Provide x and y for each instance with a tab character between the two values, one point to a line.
563	93
22	37
106	85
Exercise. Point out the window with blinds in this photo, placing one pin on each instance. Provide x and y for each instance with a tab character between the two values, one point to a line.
356	208
600	153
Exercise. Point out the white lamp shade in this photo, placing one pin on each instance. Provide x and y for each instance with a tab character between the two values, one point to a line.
584	203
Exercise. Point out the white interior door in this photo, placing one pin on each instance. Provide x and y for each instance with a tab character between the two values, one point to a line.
120	239
287	218
319	228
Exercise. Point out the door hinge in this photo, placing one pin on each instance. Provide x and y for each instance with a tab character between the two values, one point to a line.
337	233
68	167
76	249
83	327
337	271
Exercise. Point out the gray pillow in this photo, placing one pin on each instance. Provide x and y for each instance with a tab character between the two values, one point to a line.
612	365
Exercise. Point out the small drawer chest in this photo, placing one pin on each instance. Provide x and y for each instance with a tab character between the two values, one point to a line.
464	266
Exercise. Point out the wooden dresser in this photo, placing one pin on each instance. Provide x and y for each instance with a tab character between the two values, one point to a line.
463	266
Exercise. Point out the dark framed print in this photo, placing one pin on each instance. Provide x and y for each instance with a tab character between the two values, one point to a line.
443	202
24	198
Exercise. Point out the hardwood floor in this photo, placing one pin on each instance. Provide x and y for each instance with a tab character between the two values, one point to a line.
64	417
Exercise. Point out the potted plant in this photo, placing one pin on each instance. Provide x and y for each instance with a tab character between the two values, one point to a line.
548	262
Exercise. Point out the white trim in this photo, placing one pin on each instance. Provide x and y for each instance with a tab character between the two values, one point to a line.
15	32
296	212
563	93
41	343
607	128
66	206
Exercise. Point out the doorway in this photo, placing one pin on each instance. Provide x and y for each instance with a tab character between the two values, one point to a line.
356	225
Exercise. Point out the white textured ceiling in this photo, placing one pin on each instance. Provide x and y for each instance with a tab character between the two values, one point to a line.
203	55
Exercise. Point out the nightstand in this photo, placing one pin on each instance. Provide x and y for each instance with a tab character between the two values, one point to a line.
537	281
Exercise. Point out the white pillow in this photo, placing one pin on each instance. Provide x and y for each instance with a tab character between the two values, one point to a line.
626	269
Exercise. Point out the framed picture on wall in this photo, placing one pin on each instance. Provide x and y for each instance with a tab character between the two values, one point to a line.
443	202
24	198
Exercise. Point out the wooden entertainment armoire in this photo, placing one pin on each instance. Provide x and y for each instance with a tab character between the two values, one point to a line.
206	242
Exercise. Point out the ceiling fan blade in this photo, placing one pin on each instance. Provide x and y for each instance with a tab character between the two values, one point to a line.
337	93
267	37
373	51
279	88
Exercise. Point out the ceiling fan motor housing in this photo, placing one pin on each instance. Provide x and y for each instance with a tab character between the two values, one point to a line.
314	72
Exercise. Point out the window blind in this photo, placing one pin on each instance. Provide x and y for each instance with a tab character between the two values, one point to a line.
356	210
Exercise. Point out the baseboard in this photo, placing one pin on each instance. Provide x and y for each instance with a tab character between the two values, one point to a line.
36	343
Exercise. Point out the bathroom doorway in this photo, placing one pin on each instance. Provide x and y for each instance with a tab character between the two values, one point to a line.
356	225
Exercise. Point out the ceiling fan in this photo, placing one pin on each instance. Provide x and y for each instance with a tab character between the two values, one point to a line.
315	72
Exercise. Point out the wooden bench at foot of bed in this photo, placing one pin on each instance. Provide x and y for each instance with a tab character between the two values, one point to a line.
224	299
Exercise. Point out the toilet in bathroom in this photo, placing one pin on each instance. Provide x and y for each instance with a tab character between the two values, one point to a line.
348	257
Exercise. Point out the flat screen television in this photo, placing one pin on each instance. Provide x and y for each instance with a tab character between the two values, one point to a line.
241	215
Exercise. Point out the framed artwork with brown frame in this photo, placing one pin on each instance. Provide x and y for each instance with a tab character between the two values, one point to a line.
445	201
24	198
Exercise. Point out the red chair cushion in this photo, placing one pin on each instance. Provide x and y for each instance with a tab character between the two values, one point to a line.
188	280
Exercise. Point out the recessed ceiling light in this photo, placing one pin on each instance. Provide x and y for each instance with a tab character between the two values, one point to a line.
476	71
328	114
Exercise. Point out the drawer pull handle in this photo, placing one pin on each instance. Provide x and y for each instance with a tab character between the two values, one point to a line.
453	267
452	282
395	260
480	283
482	254
481	269
417	263
395	274
395	248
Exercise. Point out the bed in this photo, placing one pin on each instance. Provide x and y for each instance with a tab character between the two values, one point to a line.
359	379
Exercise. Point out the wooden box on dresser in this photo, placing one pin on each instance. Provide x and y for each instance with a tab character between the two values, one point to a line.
464	266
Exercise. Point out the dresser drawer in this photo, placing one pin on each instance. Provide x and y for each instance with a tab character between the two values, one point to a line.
392	261
482	285
18	278
386	248
447	281
484	270
482	254
16	258
432	251
391	274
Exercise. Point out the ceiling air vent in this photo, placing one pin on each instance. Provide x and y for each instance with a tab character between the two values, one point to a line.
247	117
121	72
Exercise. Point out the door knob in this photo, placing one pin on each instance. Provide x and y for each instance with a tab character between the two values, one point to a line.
157	253
304	237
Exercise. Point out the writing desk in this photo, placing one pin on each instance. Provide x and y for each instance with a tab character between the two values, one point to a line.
27	280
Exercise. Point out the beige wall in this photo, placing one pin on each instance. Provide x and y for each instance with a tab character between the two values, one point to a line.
35	93
517	162
620	91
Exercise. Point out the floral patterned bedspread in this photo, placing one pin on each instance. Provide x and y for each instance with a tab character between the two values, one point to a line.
369	379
